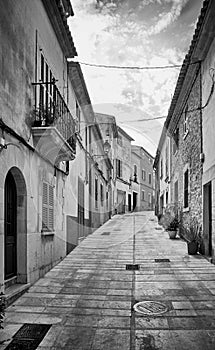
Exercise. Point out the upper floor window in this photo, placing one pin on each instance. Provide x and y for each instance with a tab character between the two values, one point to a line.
161	168
167	161
186	121
78	115
135	169
175	140
143	195
150	179
101	194
118	168
119	140
143	174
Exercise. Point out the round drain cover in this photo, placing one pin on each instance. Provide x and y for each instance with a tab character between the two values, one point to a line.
152	308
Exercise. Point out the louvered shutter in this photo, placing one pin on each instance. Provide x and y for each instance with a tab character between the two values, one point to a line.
45	207
48	207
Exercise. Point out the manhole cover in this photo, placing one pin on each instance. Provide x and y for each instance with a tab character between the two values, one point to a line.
132	267
105	233
162	260
152	308
28	337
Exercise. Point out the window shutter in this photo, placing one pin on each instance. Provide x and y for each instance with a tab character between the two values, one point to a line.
51	207
48	207
45	209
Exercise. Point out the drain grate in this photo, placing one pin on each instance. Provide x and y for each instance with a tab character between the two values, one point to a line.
150	308
28	337
105	233
158	228
162	260
132	267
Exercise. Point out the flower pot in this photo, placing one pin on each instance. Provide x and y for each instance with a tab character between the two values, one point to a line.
172	234
192	248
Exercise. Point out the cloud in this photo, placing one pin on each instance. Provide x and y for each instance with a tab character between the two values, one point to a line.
166	19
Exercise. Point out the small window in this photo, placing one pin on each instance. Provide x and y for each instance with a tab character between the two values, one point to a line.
186	188
96	192
161	168
175	140
47	207
149	199
143	195
118	168
101	194
135	169
78	116
143	175
119	140
186	121
150	179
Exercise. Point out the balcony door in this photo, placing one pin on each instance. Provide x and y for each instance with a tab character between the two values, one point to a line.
10	227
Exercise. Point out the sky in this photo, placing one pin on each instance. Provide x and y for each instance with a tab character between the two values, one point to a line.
128	33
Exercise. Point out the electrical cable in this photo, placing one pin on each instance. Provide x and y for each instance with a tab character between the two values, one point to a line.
136	67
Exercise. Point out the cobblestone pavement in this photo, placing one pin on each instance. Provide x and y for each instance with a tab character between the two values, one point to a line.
88	297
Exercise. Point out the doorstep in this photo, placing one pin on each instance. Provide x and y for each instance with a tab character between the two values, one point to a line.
14	292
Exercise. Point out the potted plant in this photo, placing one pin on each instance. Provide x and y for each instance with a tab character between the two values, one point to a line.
172	228
2	308
192	235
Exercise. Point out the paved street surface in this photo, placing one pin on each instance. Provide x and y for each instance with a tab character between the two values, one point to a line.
88	298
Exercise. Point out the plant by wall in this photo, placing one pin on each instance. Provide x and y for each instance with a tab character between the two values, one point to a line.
2	308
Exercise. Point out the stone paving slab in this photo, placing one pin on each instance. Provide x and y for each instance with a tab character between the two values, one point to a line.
88	297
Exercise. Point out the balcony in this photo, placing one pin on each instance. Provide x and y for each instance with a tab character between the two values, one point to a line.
53	126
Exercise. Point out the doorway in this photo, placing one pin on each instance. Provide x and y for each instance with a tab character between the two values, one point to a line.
134	201
129	202
10	220
80	208
207	218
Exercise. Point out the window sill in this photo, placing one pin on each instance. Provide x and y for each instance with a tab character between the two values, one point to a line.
185	210
47	233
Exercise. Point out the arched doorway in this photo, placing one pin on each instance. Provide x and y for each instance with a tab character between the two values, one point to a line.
10	227
15	218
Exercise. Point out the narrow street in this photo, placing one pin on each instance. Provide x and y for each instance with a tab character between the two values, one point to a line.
88	298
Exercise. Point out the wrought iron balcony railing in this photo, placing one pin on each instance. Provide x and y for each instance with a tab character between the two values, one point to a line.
52	110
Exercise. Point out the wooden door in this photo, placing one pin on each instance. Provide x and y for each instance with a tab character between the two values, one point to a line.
10	226
207	217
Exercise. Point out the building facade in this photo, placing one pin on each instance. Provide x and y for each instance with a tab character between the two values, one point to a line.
145	177
190	126
47	171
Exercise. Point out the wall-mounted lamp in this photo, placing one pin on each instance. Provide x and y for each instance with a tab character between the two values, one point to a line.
4	145
106	148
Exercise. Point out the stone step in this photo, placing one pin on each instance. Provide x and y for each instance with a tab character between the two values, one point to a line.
14	292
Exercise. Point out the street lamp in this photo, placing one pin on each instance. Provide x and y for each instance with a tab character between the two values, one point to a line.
106	148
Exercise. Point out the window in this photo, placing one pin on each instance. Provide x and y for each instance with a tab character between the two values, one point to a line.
78	115
186	188
135	169
150	179
143	174
101	194
149	199
186	121
46	91
118	168
175	140
143	195
176	192
119	140
161	168
47	207
96	192
167	198
167	161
